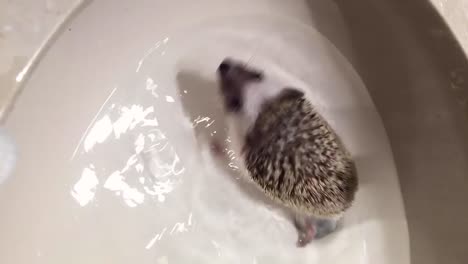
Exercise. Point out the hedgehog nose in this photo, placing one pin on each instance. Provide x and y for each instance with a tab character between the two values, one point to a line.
225	66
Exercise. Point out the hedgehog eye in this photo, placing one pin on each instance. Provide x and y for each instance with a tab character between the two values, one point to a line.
256	76
234	104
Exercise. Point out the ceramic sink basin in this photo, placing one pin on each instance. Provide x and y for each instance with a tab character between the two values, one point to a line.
113	125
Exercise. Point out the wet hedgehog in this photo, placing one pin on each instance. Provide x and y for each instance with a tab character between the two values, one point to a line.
287	148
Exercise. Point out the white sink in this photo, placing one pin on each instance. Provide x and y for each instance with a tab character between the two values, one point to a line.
112	130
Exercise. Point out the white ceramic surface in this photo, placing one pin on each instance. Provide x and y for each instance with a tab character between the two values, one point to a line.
111	130
25	28
455	13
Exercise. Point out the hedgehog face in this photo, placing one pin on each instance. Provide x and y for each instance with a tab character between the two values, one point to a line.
234	77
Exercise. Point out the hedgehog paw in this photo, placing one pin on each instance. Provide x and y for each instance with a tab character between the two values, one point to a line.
217	148
306	237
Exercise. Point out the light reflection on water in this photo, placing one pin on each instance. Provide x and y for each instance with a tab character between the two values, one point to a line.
126	151
85	189
152	151
177	228
150	170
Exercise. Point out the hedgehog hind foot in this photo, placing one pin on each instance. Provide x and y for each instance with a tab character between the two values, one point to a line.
305	226
306	236
310	228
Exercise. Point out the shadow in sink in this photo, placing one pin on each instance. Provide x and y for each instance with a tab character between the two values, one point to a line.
417	76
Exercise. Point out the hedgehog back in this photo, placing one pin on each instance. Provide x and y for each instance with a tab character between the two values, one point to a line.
296	158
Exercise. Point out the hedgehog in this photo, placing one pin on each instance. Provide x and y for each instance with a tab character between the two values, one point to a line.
287	149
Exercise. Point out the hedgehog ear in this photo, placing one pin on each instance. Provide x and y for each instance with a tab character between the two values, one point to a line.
291	93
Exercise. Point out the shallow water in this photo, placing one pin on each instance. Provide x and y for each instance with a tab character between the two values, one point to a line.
149	165
141	185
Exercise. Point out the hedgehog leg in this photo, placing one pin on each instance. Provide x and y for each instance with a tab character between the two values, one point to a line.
306	229
306	237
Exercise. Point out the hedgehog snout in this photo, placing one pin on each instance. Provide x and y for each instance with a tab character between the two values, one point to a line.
225	66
